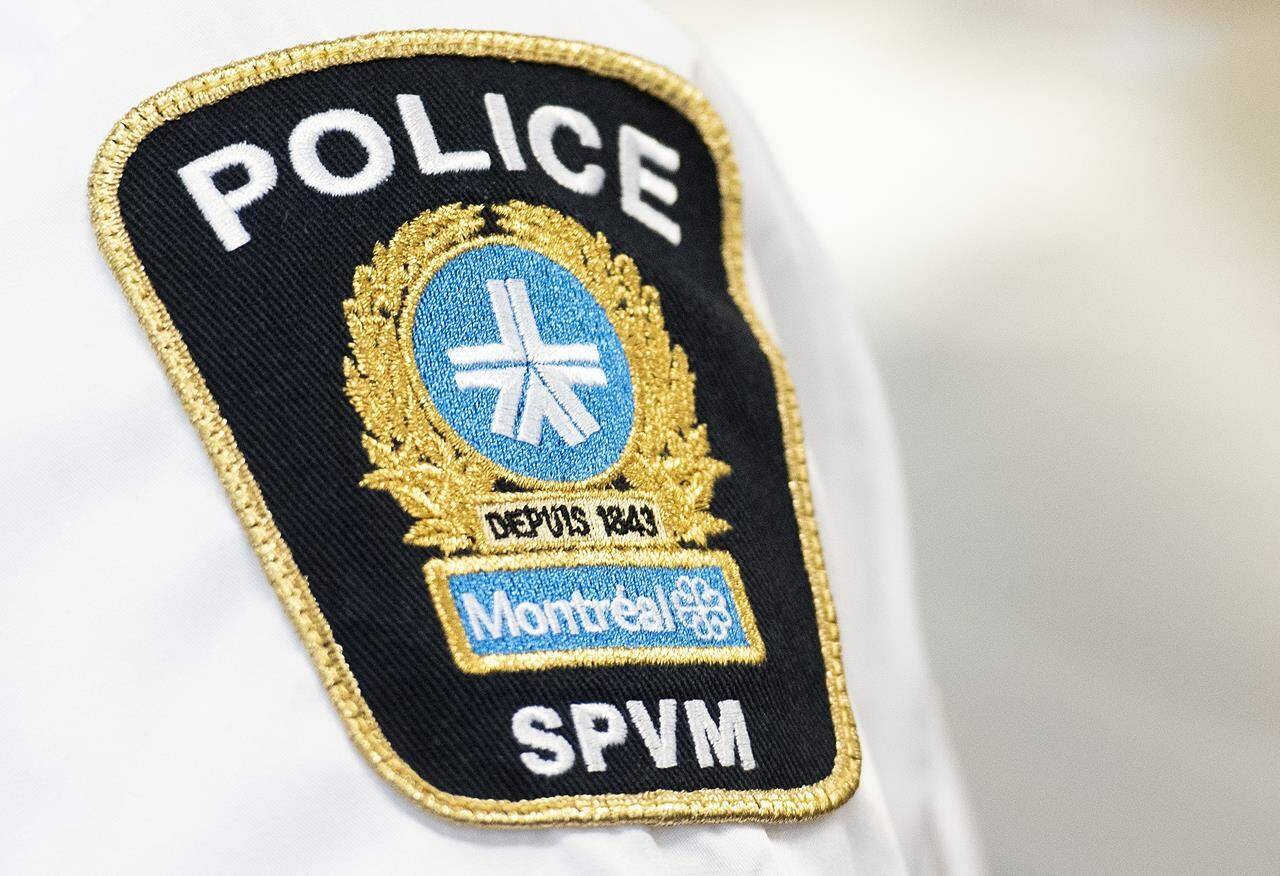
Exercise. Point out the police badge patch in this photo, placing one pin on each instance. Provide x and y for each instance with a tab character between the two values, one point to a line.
461	319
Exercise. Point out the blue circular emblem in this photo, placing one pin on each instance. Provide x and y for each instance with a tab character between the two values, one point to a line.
523	363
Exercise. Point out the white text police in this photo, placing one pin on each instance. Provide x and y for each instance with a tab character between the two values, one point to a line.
645	166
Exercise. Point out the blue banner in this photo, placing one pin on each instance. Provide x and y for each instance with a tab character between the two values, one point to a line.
573	608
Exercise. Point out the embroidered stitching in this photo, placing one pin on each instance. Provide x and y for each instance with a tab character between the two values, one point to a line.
708	624
246	496
417	452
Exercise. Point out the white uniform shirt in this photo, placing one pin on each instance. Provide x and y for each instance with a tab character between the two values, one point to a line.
139	630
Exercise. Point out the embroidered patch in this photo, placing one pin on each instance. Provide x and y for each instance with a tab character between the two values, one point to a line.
461	319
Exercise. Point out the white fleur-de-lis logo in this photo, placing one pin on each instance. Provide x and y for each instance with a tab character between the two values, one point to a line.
701	607
534	379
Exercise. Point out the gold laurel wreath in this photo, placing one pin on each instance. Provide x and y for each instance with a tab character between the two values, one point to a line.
430	470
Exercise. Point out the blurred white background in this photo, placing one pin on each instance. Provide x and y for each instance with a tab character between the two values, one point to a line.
1060	221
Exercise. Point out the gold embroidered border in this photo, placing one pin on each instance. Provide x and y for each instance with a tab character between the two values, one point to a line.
277	561
438	572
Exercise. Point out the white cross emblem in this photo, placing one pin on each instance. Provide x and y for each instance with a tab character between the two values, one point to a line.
528	373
